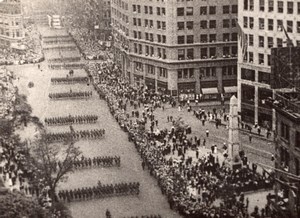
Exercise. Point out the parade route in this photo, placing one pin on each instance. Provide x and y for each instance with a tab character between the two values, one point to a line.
149	201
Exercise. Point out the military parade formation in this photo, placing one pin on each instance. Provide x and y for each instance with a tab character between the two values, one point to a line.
69	80
69	120
100	161
100	191
75	135
71	95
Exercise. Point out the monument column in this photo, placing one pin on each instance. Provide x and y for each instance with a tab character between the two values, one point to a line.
233	137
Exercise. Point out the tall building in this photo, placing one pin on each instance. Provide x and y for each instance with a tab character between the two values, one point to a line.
99	14
182	47
263	22
287	161
11	22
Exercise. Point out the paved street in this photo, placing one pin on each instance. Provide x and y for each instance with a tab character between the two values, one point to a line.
150	200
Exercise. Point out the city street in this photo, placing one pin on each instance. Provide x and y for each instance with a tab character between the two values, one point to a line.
150	199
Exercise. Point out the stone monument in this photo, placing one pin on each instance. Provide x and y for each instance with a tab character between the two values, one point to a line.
233	137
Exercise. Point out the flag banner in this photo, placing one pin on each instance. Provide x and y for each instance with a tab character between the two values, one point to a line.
242	39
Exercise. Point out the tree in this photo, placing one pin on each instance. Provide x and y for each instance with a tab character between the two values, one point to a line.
22	108
15	204
45	157
6	128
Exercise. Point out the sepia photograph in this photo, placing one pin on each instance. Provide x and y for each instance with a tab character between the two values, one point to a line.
149	108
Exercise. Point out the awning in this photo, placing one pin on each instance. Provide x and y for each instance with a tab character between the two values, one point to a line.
207	91
230	89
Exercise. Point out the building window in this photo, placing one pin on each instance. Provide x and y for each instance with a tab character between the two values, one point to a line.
181	54
234	37
270	24
251	22
189	11
190	25
279	25
212	24
280	6
180	39
203	52
203	10
212	52
289	27
190	53
226	9
203	38
233	23
246	6
226	51
234	9
180	11
203	24
158	38
270	42
285	131
298	7
226	23
251	57
179	74
261	41
248	74
251	5
290	7
261	22
212	9
158	11
262	5
164	25
245	22
298	27
146	9
212	37
190	39
250	40
164	39
226	37
261	58
271	5
264	77
158	24
150	10
279	42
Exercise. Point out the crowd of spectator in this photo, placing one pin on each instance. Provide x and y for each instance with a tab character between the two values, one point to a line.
29	50
191	185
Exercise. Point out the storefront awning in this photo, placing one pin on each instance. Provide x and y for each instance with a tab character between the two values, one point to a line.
207	91
230	89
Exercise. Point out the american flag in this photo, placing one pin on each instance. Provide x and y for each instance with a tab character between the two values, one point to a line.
243	39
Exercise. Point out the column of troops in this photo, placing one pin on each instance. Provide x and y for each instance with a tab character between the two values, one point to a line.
100	161
69	80
75	135
100	191
78	119
66	66
145	216
70	95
